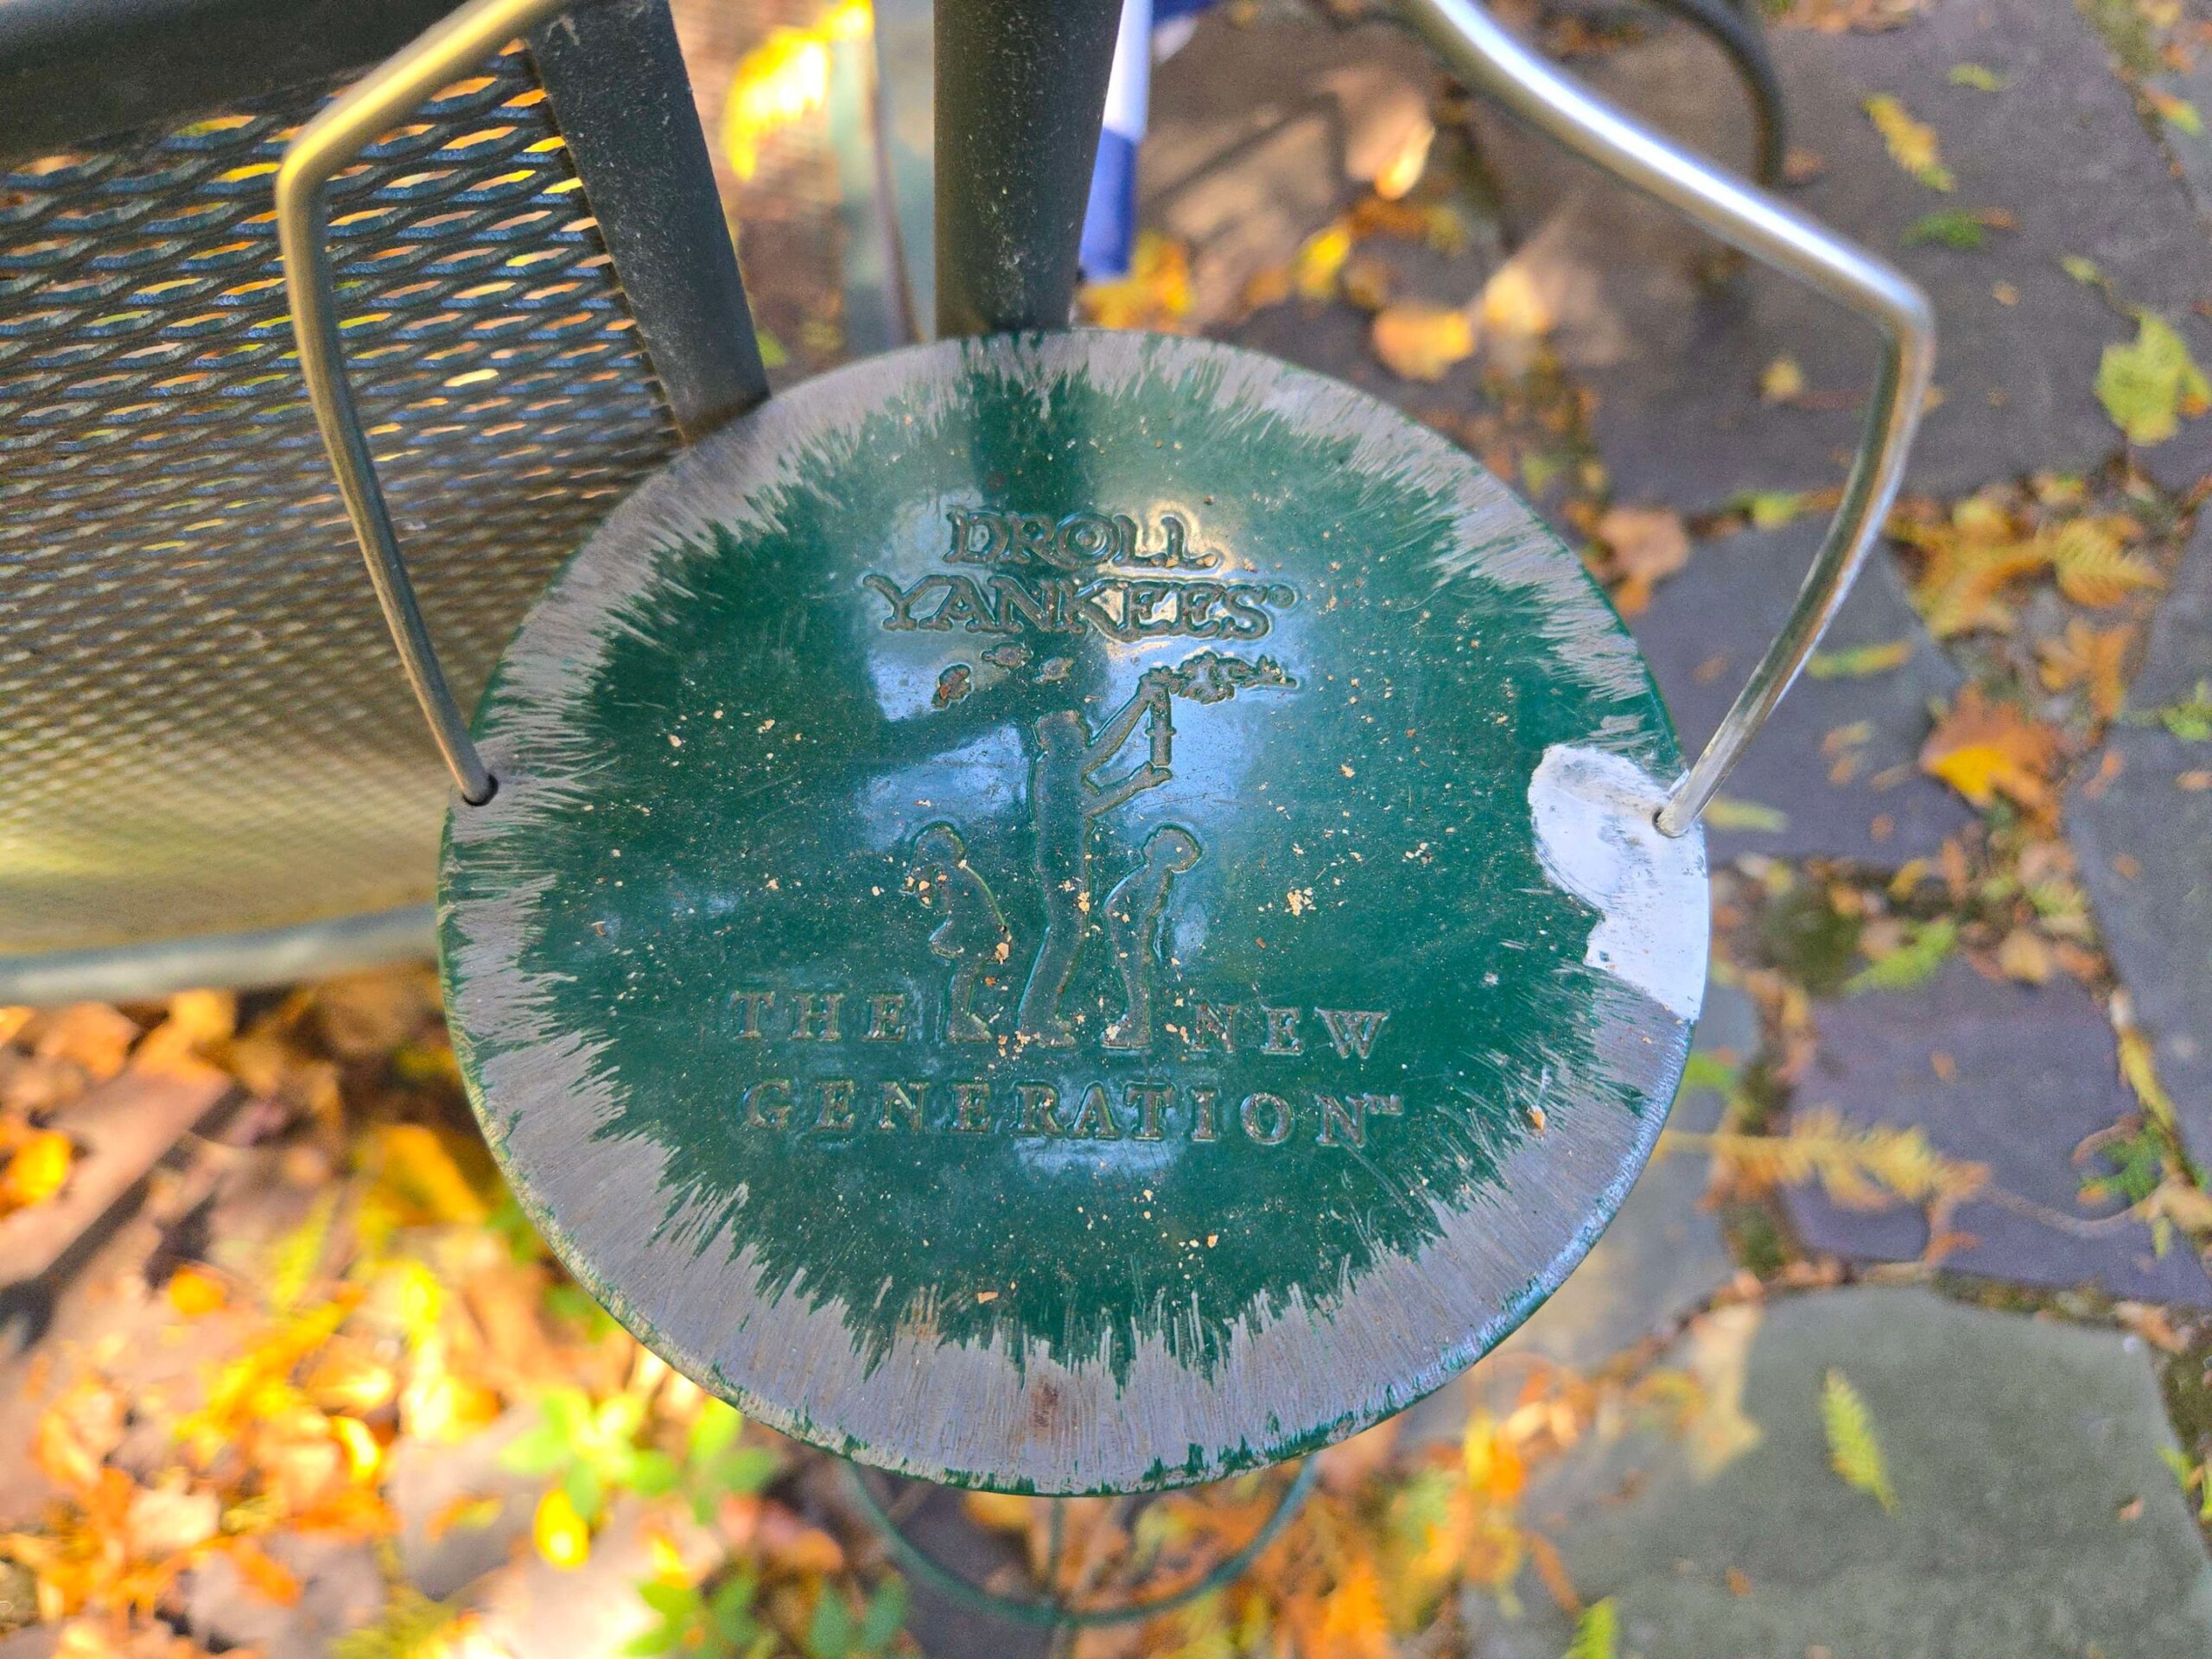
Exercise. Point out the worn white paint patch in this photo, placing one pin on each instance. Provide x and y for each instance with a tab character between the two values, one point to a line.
1593	812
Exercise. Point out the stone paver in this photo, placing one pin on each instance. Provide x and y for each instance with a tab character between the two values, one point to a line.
2192	152
1837	759
1258	137
1677	366
2035	1519
428	1479
340	1590
2144	844
532	1611
2032	1071
1664	1255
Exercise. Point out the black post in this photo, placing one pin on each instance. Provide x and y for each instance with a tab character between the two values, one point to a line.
616	78
1020	90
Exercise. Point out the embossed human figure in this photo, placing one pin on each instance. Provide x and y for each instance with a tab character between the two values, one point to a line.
973	936
1132	912
1063	799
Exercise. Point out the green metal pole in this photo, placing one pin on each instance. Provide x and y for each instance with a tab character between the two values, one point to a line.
1020	90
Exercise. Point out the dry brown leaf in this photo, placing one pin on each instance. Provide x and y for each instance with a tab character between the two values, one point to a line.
1422	342
197	1022
2094	658
1514	305
1985	749
1367	280
2150	1323
365	1016
1969	563
89	1035
2024	956
1270	285
1851	17
1647	545
76	1432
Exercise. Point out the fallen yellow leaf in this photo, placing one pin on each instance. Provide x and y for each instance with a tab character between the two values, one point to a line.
1912	144
1313	272
558	1531
1353	1623
193	1292
1493	1464
2093	569
1155	295
418	1179
39	1169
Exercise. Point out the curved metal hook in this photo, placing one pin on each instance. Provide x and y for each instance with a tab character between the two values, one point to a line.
1492	61
325	146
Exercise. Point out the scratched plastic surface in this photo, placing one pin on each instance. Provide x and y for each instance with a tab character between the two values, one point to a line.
1073	913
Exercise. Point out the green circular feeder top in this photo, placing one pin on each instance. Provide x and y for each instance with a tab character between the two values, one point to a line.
1072	912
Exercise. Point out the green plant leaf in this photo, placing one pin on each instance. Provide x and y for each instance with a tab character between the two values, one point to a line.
651	1474
1705	1072
886	1612
731	1609
412	1627
586	1489
1859	662
1854	1450
2146	386
1980	78
1723	813
716	1426
2189	720
2175	112
1597	1632
670	1600
1914	963
829	1635
1768	509
1954	227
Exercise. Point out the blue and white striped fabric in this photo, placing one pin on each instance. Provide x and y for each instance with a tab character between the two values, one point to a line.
1109	221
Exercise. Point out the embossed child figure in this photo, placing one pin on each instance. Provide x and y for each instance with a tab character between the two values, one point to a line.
1132	912
1063	797
974	937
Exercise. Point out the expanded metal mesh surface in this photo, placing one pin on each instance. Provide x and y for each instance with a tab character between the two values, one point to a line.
203	726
